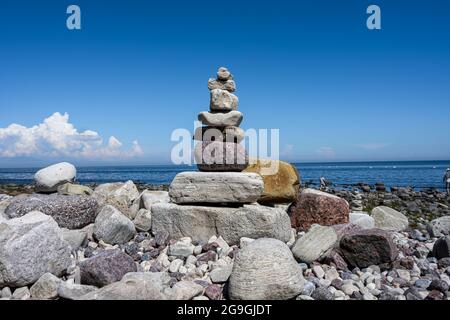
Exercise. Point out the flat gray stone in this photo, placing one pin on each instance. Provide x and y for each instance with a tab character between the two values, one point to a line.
389	219
232	118
223	101
315	243
216	187
113	227
224	134
46	287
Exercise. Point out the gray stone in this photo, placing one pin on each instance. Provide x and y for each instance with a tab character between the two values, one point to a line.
182	248
148	198
441	248
49	178
200	223
186	290
221	274
46	287
135	286
216	187
315	243
72	291
123	196
74	189
75	238
5	293
31	246
265	270
220	156
439	227
223	74
228	85
362	219
22	293
224	134
143	220
113	227
232	118
389	219
223	101
72	212
106	267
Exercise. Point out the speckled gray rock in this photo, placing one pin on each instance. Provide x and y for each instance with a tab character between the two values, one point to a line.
72	212
75	238
439	227
113	227
213	187
265	270
315	243
135	286
223	101
49	178
106	267
201	223
232	118
29	247
46	287
389	219
143	220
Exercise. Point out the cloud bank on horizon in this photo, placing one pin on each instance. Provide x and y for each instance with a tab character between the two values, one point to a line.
57	137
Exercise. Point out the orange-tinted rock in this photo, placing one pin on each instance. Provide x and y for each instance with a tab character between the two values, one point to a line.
313	206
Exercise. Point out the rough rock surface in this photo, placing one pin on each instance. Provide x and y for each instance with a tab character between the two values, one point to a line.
212	187
220	156
389	219
113	227
31	246
224	134
317	207
223	101
148	198
201	222
49	178
265	270
68	189
46	287
232	118
362	219
439	227
314	244
441	248
72	212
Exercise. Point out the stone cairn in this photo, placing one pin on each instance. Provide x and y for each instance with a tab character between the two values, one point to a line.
219	199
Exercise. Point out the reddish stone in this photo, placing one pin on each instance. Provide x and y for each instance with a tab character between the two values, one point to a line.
214	292
314	206
334	258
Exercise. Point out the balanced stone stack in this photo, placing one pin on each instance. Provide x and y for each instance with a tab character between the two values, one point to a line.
220	199
220	149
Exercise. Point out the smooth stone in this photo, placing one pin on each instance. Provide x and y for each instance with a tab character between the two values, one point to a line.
46	287
362	219
224	134
124	197
363	248
135	286
213	187
186	290
113	227
72	212
228	85
221	274
143	220
48	179
106	267
314	244
22	293
317	207
220	156
182	248
31	246
232	118
148	198
201	222
72	291
68	189
265	270
223	101
281	180
389	219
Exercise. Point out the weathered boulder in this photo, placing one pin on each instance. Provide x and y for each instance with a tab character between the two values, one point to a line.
48	179
441	248
439	227
317	207
224	134
201	223
362	248
143	220
281	180
220	156
75	238
31	246
72	212
315	243
232	118
265	270
215	187
68	189
389	219
106	267
223	101
148	198
362	219
46	287
135	286
113	227
123	196
73	291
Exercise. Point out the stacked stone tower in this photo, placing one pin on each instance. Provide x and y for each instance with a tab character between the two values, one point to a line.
219	199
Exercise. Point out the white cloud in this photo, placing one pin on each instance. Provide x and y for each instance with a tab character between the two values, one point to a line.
57	137
326	152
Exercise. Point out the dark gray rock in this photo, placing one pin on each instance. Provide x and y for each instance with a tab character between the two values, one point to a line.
441	248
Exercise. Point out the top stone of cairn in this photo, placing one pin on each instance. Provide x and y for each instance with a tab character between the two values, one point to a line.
224	81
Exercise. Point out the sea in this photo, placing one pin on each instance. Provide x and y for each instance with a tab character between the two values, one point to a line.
416	174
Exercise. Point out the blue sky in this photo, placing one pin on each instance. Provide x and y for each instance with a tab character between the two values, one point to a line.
137	70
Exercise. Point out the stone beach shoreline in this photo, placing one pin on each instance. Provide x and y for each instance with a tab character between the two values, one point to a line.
230	231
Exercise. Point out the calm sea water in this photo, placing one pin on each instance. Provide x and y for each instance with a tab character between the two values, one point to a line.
418	174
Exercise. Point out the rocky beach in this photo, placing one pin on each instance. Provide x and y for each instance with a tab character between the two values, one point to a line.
226	231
